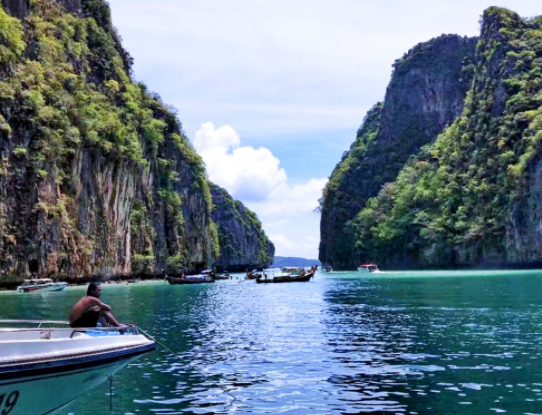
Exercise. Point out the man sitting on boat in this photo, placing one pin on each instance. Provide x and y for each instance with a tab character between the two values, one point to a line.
89	310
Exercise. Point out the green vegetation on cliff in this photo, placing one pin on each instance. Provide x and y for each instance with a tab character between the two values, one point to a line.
243	243
455	202
425	94
96	174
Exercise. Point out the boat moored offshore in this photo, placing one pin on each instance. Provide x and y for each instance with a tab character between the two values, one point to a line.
368	268
44	368
289	274
41	285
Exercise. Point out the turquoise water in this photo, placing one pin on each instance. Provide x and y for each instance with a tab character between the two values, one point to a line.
344	343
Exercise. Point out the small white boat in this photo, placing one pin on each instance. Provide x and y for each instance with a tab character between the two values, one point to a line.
328	268
368	268
45	368
41	285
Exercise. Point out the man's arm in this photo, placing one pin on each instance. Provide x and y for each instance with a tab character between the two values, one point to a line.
103	306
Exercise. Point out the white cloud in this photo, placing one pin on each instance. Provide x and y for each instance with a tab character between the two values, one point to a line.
255	177
247	173
293	199
284	65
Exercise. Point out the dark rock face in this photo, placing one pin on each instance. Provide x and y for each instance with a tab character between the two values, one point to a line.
426	94
17	8
73	6
500	111
471	198
21	8
524	229
96	175
243	244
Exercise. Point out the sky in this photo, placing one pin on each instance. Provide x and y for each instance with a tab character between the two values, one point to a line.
272	92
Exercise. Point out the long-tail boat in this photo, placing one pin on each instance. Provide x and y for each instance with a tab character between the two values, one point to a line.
252	276
190	279
289	274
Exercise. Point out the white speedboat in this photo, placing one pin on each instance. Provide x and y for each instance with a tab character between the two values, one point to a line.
45	368
41	285
368	268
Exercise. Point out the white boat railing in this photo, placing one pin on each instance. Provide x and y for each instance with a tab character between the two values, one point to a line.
38	322
131	329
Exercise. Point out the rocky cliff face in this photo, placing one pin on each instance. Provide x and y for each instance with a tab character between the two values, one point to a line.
17	8
426	93
21	8
96	175
243	243
472	198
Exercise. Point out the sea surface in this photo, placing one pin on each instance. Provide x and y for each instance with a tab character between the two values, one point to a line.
344	343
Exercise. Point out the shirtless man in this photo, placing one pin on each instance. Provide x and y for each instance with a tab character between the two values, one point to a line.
89	310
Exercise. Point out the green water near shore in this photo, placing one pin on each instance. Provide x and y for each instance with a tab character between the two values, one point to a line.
465	342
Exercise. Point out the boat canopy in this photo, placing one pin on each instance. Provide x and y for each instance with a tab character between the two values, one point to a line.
39	280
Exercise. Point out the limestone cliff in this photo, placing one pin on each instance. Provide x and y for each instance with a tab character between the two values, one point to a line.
425	94
243	243
96	175
21	8
472	197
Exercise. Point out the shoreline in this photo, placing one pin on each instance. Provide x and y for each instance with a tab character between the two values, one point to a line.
155	281
11	282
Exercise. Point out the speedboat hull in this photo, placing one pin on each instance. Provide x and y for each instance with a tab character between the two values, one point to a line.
46	393
42	288
43	370
368	268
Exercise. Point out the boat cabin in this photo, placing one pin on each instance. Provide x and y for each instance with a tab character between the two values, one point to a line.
368	268
36	281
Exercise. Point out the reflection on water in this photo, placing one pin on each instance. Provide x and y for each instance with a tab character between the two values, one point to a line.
397	343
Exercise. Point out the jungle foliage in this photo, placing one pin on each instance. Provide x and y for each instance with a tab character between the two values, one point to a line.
243	241
425	94
66	89
450	203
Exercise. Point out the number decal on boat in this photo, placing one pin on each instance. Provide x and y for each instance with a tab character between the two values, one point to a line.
10	403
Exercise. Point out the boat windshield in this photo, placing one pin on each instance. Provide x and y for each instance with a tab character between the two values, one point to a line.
369	267
36	281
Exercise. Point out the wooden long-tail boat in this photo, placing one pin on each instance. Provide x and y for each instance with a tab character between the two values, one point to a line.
221	277
251	276
190	279
289	274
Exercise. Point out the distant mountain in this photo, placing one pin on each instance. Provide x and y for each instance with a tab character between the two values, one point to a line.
286	261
